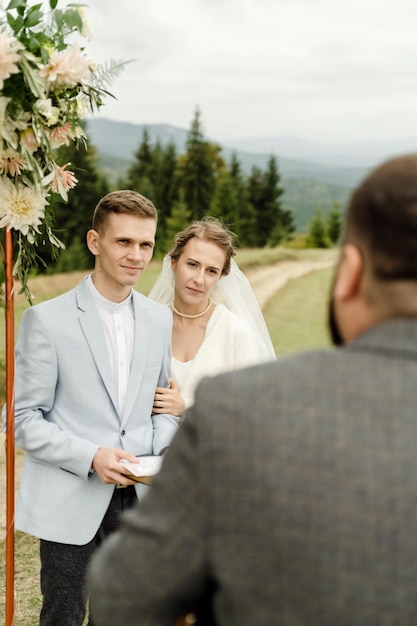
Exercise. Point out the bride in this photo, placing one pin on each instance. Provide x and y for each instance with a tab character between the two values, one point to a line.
217	322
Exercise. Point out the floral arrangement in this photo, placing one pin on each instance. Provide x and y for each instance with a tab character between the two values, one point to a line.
47	86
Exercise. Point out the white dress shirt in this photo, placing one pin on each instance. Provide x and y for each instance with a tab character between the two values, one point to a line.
119	330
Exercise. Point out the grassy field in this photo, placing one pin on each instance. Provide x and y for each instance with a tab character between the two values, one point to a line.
296	318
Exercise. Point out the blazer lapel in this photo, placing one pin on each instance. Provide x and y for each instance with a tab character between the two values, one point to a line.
92	329
140	355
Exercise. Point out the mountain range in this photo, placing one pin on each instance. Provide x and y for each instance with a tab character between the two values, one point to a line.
314	174
359	154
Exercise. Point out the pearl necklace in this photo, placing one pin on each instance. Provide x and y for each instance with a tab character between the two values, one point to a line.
191	317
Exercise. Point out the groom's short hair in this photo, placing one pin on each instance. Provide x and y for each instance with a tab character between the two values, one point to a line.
122	201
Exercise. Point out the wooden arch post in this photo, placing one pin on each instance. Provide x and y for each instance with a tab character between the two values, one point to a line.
10	445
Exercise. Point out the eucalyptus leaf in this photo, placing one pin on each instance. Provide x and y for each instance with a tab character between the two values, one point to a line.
33	18
15	4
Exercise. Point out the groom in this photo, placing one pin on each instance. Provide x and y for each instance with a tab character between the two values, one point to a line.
87	366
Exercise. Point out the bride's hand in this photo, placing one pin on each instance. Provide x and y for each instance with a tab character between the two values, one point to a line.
168	400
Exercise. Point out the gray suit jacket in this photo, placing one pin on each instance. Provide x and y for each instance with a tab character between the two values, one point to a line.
66	408
292	488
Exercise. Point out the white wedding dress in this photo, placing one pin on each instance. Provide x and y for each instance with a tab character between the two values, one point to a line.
236	334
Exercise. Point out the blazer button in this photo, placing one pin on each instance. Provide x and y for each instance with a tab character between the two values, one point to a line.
123	433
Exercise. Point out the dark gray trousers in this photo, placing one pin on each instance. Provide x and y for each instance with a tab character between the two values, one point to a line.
63	568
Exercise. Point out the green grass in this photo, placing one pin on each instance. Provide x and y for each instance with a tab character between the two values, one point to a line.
254	257
296	318
28	598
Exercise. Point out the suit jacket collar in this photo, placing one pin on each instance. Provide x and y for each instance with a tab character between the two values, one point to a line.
396	338
93	332
94	335
140	351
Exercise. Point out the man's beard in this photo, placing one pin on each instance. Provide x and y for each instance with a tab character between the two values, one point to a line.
333	326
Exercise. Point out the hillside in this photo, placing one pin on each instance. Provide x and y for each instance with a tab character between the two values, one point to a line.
304	195
364	154
120	140
307	184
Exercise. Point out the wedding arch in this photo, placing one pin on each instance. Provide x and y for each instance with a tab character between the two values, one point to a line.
48	84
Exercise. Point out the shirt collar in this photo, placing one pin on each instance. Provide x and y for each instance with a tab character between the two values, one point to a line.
106	304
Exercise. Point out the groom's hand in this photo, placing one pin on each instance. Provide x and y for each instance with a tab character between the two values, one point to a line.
106	464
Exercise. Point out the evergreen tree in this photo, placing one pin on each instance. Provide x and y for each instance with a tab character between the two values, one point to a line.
178	220
138	175
274	223
272	220
225	202
154	173
255	198
165	184
283	229
247	228
317	231
163	175
245	221
199	168
334	223
235	168
74	257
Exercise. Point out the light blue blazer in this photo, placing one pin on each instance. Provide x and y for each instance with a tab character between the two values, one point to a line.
66	408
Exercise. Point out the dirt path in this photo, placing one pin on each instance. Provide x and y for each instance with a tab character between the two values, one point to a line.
266	281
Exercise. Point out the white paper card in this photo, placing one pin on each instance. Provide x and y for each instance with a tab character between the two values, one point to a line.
147	466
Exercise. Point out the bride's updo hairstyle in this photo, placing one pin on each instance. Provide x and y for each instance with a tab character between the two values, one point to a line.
207	229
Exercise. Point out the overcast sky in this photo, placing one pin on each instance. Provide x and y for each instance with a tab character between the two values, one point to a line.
332	70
